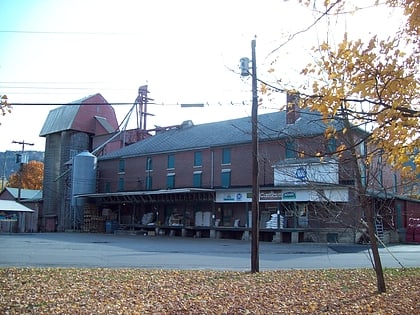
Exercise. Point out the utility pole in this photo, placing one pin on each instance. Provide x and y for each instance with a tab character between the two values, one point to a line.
255	230
19	158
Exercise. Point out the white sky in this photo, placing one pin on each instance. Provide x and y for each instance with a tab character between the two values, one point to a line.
59	51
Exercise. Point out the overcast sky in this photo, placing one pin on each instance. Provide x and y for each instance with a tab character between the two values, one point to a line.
59	51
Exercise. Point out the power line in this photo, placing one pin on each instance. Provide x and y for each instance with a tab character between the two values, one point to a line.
60	88
67	33
183	105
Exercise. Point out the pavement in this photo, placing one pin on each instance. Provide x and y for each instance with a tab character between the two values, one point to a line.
163	252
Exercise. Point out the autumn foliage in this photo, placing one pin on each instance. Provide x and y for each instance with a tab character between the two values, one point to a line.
4	105
32	176
372	82
375	84
137	291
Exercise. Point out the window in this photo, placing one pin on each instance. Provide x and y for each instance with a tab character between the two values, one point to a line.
363	148
121	167
226	156
107	187
149	164
148	182
197	158
170	180
363	174
226	178
331	145
380	172
149	168
197	179
121	184
290	149
171	161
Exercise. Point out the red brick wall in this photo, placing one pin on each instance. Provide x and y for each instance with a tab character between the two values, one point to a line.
270	153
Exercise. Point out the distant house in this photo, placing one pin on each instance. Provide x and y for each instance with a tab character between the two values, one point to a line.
20	214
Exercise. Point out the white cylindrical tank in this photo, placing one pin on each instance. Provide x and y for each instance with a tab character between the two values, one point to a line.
84	175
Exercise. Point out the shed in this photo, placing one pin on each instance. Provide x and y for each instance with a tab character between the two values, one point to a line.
13	216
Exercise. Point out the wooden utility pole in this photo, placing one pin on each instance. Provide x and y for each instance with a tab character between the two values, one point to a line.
255	187
23	143
255	228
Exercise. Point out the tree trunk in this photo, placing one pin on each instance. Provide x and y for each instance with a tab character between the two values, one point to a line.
377	265
361	191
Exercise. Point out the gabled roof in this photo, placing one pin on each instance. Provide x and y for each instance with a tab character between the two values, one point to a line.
25	194
82	115
223	133
59	119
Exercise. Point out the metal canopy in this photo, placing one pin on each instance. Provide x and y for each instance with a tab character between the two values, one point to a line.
167	196
13	206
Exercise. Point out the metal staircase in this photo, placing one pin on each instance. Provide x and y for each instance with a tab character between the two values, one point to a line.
379	228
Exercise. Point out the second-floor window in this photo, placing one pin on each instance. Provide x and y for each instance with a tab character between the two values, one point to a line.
197	179
226	178
148	184
170	180
121	184
107	187
226	156
171	161
121	166
290	149
149	164
331	145
197	158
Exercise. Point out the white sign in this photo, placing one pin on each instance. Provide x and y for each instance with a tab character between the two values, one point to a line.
305	173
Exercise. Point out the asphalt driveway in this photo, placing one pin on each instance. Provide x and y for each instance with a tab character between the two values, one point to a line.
138	251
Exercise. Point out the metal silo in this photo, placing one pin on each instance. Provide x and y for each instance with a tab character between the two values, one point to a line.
83	182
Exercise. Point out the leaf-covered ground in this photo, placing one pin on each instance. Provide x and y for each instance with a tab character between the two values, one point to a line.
139	291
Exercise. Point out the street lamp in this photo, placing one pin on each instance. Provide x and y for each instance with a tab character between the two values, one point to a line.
244	65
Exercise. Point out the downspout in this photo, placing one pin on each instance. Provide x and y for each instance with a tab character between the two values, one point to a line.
212	169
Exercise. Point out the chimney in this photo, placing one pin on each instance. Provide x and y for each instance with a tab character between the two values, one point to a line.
292	108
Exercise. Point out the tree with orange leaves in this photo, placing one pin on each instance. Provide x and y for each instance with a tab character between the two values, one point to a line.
32	175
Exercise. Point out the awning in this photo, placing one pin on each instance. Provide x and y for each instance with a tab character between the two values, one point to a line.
11	205
164	195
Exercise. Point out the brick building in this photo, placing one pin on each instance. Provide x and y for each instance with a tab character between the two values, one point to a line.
195	180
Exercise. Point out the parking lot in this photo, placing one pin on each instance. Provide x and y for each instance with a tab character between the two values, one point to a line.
163	252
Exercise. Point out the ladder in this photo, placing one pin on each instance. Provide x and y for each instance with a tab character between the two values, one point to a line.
379	227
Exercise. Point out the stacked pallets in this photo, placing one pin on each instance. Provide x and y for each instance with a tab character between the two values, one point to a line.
93	222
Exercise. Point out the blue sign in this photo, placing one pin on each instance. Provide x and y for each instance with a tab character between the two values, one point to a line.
301	173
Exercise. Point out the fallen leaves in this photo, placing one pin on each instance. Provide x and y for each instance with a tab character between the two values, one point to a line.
139	291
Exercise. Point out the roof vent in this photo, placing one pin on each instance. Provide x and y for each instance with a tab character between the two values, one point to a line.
187	124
